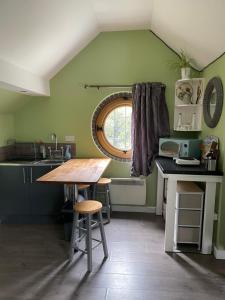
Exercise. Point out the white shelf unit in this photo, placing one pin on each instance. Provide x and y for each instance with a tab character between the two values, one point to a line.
188	213
189	95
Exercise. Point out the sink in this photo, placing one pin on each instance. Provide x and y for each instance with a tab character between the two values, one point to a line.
50	161
33	162
20	162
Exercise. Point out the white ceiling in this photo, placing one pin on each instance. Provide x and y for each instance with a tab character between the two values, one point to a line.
197	26
41	36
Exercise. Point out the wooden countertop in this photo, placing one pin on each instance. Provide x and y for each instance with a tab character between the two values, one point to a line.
83	170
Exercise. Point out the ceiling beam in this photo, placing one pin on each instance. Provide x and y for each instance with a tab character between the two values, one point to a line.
15	78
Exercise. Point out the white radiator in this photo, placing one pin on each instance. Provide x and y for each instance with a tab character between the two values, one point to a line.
128	191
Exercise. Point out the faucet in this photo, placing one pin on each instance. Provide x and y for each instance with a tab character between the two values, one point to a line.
54	137
50	152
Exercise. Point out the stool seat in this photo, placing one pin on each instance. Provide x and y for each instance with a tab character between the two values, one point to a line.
83	186
103	181
87	207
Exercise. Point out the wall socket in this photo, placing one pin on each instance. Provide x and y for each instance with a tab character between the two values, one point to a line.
70	138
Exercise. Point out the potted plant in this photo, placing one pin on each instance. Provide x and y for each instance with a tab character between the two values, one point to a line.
184	65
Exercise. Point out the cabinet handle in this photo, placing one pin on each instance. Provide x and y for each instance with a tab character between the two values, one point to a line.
31	175
24	176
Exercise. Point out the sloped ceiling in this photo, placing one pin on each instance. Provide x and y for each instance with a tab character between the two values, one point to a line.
197	26
40	37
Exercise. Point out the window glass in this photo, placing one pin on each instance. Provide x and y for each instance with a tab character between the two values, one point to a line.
117	127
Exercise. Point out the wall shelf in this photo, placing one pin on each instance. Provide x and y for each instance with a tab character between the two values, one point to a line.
189	95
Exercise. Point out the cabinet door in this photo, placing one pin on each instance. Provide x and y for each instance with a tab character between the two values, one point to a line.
45	198
14	191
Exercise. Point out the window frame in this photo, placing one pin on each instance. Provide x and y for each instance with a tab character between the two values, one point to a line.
102	111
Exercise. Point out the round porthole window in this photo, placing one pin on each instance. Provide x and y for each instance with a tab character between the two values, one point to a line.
111	126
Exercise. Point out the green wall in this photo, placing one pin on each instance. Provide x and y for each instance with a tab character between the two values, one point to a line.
218	69
9	103
6	128
113	58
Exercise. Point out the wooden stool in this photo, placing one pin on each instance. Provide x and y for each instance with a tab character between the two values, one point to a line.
87	208
84	188
69	190
104	182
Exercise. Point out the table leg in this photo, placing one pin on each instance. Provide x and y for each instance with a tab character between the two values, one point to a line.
160	186
208	220
170	215
66	193
75	193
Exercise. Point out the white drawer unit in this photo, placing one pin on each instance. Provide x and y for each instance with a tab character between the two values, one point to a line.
188	213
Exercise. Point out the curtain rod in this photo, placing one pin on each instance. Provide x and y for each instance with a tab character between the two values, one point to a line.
98	86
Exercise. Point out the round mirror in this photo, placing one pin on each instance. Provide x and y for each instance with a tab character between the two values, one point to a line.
213	102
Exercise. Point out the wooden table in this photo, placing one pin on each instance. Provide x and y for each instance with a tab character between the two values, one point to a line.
77	171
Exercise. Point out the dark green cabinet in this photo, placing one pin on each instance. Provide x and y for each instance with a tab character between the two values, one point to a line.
13	191
24	199
46	199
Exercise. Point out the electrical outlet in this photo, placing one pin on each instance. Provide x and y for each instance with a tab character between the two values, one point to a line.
70	138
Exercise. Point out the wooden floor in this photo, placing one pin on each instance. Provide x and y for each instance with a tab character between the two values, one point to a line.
33	265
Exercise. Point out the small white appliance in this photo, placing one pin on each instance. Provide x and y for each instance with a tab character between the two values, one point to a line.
172	147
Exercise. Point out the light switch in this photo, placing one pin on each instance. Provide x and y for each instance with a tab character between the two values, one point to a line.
69	138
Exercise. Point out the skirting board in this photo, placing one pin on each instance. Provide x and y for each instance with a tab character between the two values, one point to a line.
133	208
219	254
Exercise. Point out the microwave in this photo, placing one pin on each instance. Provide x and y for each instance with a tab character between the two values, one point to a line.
172	147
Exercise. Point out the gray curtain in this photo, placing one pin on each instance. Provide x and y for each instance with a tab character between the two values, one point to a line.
150	121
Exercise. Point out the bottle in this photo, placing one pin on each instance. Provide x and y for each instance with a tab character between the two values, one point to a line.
42	150
68	152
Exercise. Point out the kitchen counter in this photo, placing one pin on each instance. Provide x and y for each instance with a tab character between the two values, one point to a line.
31	163
168	166
167	169
25	201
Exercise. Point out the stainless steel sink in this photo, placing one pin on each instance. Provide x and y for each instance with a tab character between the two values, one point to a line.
25	162
19	162
50	161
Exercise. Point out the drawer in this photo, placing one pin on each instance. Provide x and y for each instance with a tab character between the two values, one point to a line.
189	217
188	235
189	201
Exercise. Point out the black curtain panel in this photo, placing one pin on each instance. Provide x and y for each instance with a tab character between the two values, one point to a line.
150	121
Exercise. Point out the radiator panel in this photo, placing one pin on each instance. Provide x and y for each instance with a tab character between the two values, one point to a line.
128	191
